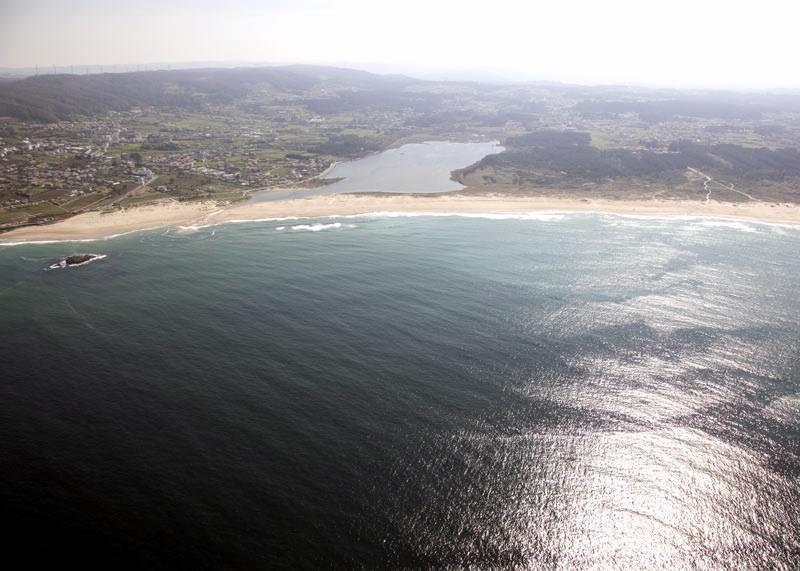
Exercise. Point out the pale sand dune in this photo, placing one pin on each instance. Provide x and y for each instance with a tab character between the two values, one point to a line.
95	225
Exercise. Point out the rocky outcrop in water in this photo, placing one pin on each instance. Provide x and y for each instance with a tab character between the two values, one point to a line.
79	259
76	260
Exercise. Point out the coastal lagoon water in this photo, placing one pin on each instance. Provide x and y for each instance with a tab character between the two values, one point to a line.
551	390
411	168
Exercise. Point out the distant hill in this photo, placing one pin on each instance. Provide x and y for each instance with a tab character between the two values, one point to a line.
332	90
49	98
667	110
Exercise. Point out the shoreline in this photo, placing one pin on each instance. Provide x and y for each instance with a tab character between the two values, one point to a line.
188	215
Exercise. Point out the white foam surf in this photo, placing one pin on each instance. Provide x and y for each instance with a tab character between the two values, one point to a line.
78	240
697	221
730	224
537	216
318	227
196	227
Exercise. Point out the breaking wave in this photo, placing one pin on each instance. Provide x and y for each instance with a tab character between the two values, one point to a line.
319	227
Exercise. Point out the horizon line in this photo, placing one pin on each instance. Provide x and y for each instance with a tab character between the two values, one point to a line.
429	74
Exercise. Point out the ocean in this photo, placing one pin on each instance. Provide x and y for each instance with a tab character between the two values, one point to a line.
524	391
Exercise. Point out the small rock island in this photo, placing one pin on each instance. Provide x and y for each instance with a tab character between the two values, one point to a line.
79	259
76	260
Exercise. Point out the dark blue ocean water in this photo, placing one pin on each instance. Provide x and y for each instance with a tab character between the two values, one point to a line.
564	391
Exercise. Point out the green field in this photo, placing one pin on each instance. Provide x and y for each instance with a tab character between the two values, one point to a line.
22	213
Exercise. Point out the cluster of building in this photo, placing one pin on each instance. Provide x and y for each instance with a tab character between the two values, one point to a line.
59	163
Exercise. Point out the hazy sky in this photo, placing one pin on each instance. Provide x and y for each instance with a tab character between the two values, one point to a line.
664	42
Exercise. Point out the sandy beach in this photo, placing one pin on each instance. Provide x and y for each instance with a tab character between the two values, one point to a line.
95	225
